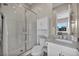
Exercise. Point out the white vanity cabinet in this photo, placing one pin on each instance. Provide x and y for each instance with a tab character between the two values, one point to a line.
53	50
58	50
67	51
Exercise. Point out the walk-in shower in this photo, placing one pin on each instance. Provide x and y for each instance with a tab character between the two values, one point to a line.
20	29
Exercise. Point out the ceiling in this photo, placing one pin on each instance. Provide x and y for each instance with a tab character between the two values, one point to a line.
35	4
42	9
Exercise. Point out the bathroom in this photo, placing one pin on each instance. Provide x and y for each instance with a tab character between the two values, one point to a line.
34	29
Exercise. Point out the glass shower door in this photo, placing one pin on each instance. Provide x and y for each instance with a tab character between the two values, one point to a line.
1	36
31	29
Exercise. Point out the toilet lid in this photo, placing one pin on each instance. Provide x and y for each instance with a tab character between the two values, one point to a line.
36	49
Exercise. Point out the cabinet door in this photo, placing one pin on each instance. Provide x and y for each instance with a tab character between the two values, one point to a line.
53	49
58	50
14	22
66	51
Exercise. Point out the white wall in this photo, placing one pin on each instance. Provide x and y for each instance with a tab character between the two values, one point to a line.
43	10
42	29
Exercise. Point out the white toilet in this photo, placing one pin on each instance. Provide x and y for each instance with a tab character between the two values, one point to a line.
38	49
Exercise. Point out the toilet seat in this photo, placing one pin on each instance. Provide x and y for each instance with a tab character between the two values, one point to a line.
37	50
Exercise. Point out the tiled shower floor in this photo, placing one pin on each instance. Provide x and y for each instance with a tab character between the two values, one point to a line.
28	53
0	49
45	54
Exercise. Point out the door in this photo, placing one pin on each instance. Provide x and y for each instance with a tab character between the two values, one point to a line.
14	40
31	29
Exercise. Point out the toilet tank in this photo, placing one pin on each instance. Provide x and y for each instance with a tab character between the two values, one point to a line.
42	41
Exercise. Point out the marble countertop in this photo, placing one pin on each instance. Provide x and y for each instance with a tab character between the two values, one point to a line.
67	44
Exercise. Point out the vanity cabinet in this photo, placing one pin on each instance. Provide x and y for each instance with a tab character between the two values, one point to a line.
59	50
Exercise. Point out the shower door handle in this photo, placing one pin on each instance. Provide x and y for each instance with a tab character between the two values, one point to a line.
24	31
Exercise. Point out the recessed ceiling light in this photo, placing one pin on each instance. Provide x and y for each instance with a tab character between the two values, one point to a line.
20	5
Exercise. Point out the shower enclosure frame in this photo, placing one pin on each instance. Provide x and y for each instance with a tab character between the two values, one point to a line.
2	21
4	33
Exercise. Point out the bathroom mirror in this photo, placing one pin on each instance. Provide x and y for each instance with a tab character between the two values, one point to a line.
63	22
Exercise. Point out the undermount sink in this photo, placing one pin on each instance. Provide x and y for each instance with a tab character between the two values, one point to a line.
63	40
